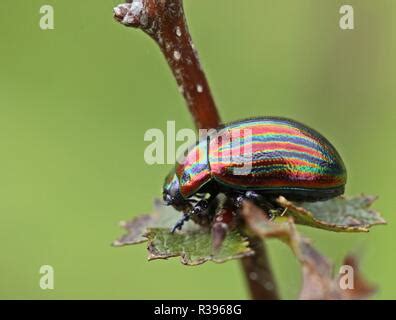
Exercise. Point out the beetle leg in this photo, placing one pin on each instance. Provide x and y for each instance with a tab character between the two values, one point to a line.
255	197
204	204
200	206
179	224
259	200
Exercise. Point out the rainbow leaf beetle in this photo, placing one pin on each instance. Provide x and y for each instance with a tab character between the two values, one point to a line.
284	157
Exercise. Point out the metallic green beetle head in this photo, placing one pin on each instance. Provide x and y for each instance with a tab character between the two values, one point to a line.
172	195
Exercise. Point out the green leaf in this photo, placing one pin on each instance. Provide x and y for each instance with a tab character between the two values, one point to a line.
136	228
339	214
195	247
319	280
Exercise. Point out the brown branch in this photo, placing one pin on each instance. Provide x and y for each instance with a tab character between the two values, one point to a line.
164	21
258	273
257	268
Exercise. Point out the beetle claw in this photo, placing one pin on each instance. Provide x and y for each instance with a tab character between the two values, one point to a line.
179	224
239	201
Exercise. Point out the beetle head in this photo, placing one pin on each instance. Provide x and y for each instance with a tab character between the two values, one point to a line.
172	195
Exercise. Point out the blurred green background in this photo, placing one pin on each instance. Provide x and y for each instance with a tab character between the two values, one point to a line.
76	101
